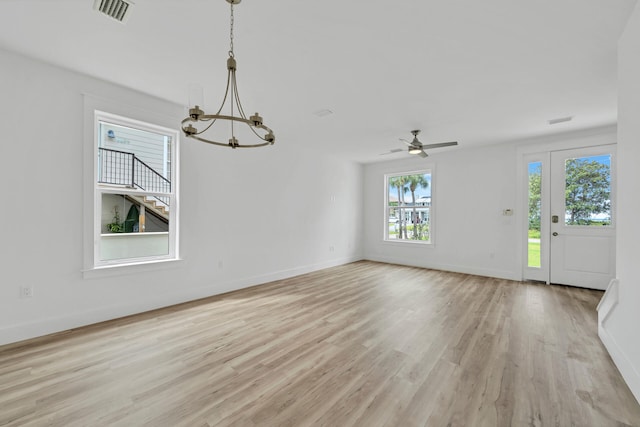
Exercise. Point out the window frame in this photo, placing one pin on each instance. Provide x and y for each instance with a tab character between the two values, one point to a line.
424	171
98	117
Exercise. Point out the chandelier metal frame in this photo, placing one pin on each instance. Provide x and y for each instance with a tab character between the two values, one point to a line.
255	122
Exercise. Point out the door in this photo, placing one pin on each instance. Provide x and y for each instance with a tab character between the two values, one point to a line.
582	220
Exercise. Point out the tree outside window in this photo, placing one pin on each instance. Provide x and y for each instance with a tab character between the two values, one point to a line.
588	191
408	210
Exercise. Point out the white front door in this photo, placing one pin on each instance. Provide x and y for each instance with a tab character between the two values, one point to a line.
582	220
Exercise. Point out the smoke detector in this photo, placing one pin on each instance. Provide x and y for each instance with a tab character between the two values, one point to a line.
115	9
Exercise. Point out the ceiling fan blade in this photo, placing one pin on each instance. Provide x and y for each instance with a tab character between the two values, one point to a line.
407	142
441	144
392	151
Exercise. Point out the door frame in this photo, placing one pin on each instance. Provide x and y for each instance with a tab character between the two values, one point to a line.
543	272
537	149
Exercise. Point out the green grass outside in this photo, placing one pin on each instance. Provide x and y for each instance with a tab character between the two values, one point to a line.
534	254
393	232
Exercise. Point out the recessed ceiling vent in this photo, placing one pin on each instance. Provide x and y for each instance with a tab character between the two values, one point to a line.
116	9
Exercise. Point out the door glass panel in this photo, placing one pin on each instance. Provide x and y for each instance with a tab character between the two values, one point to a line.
535	181
588	191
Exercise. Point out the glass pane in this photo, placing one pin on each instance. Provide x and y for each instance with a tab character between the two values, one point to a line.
394	223
134	158
409	207
535	181
588	191
133	226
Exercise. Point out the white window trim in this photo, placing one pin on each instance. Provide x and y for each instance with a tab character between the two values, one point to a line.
429	169
126	115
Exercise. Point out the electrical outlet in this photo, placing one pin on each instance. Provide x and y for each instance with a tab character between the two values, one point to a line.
26	291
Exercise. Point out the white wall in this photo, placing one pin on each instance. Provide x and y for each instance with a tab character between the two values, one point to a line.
619	331
247	216
471	187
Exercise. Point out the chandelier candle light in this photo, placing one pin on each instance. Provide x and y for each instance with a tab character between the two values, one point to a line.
196	115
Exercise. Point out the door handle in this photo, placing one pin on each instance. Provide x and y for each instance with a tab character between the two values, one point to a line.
555	233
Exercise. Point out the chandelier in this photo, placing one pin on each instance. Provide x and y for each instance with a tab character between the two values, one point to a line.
237	115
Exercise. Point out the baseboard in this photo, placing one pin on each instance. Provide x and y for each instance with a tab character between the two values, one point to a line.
622	362
285	274
24	331
485	272
608	301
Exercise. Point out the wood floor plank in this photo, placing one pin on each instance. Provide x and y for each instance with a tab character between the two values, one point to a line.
364	344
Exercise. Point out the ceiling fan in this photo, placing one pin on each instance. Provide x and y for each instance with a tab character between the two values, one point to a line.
417	147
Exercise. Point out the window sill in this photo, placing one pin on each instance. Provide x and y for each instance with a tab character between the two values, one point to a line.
408	242
135	234
130	268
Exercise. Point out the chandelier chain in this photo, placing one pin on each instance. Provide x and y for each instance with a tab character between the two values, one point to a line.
231	33
255	122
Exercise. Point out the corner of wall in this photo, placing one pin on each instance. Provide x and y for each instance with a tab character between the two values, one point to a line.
608	301
620	359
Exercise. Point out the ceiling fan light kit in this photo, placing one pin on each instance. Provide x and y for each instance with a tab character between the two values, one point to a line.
417	148
254	122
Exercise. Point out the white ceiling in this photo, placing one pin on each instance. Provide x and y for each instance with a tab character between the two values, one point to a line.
478	72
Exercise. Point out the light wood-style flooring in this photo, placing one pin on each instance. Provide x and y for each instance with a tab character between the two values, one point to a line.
365	344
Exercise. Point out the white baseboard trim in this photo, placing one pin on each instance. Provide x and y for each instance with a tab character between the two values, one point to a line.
24	331
285	274
626	368
608	301
485	272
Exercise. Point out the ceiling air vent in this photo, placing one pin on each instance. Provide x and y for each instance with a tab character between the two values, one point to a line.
116	9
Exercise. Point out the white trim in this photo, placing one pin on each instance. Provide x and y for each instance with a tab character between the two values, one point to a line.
608	301
532	273
133	267
160	119
566	141
485	272
626	367
403	243
601	136
94	114
428	170
24	331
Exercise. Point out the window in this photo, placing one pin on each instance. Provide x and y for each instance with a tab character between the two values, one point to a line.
135	191
588	191
535	214
408	210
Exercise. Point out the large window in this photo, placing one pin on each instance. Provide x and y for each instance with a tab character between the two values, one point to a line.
408	210
135	191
